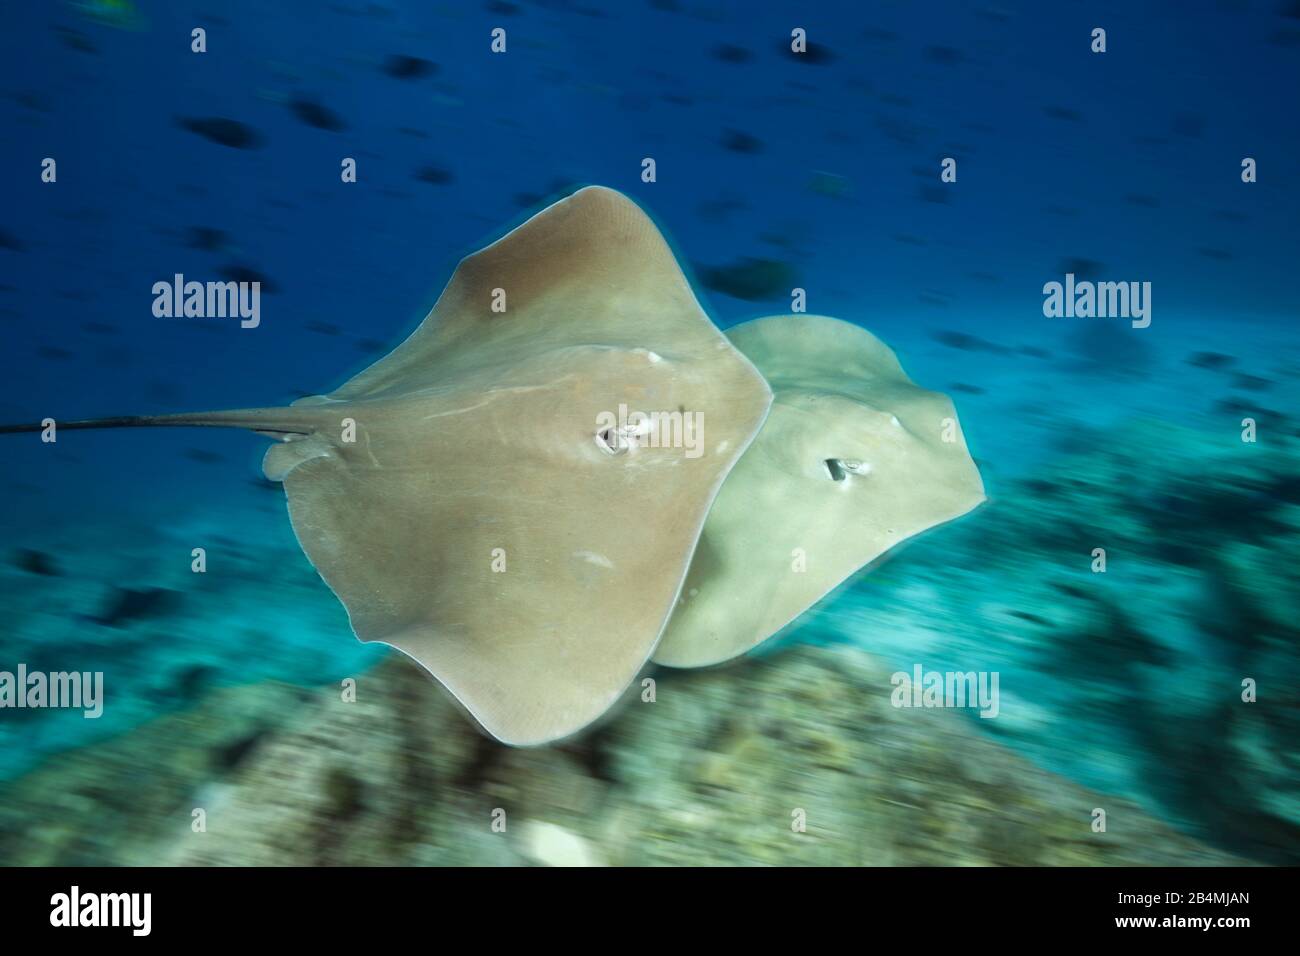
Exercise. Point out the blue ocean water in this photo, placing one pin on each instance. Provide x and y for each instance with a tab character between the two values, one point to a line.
773	170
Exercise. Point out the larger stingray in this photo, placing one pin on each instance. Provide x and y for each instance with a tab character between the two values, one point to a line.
853	459
461	498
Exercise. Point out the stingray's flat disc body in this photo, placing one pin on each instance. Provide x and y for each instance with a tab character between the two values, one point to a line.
476	521
784	531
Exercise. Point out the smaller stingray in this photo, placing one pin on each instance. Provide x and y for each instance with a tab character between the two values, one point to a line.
853	459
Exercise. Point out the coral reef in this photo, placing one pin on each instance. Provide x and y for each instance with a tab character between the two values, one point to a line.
715	770
127	603
1129	680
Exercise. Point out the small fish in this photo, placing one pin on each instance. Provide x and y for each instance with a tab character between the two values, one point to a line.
1063	113
968	343
434	175
750	279
315	115
405	67
738	141
815	54
944	55
76	40
1251	383
728	53
35	562
1087	269
203	457
237	272
1214	361
125	605
223	131
120	14
206	238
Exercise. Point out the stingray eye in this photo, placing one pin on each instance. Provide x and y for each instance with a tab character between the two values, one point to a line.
840	468
610	442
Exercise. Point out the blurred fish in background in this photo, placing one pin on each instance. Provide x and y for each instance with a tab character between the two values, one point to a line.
925	172
122	14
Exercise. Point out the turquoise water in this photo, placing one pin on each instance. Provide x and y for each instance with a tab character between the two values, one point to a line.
772	171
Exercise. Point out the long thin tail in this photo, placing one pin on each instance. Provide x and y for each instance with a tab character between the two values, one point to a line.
270	421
